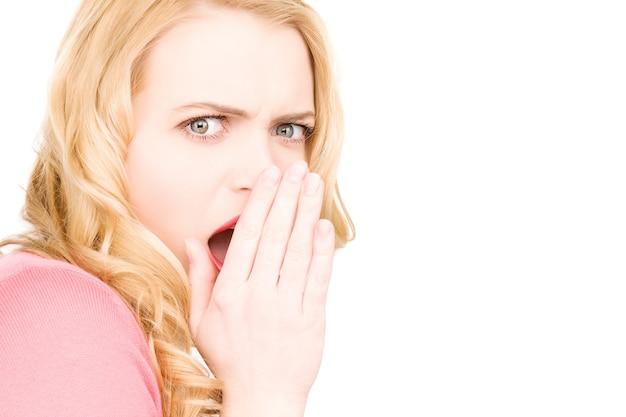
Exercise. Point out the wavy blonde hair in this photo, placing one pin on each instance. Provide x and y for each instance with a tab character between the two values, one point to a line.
77	199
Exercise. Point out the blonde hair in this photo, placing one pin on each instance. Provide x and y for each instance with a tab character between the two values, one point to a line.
77	200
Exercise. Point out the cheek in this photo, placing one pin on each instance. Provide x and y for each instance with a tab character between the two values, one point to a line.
148	182
158	184
162	194
284	156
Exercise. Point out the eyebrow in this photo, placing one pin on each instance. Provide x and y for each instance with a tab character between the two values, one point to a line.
220	108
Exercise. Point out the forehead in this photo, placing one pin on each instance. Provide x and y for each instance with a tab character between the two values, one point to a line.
230	55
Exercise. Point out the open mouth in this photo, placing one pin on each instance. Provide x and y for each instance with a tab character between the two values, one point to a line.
219	242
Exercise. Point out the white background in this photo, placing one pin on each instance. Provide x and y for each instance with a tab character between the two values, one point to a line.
485	170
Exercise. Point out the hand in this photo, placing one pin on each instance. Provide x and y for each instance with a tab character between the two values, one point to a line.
260	324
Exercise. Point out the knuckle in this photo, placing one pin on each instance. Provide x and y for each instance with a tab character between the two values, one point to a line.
275	234
224	299
326	249
299	248
290	192
247	231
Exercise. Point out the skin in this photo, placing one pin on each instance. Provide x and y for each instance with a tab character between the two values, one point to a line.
259	322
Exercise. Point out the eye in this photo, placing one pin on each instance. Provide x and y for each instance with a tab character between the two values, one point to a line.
205	126
292	131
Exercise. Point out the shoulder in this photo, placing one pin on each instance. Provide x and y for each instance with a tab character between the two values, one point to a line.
70	343
33	287
21	265
22	271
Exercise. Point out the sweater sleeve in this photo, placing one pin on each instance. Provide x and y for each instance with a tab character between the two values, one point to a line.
69	346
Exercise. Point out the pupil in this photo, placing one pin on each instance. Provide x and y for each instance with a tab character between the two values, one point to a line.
199	126
285	130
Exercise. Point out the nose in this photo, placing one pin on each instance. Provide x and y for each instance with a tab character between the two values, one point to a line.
254	155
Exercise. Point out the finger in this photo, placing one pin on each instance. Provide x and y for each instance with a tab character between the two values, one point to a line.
279	224
314	299
293	274
202	277
243	247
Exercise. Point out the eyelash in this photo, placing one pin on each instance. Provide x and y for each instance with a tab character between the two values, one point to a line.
185	126
307	133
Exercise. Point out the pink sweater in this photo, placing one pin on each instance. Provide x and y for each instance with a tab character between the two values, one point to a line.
69	346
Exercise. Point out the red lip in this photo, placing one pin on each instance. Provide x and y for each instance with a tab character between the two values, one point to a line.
219	241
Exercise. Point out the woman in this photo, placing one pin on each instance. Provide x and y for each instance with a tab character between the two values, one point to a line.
184	196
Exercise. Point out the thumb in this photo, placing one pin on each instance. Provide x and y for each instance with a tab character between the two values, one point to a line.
202	276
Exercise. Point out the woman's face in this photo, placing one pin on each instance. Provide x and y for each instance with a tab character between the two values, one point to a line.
223	97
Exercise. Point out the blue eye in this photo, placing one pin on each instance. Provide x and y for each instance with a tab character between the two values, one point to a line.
205	126
292	131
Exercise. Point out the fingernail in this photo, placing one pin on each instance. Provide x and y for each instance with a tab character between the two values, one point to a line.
297	171
324	227
312	184
271	176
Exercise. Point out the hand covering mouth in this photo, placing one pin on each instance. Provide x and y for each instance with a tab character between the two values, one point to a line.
218	245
